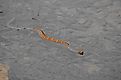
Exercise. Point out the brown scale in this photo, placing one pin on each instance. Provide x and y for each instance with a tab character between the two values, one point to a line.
43	36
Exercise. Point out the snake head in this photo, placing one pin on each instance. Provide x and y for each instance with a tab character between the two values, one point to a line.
80	51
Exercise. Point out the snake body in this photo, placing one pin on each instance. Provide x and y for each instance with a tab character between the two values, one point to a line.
66	44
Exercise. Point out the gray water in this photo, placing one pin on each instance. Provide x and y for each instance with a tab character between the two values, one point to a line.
94	25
